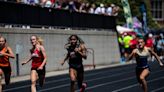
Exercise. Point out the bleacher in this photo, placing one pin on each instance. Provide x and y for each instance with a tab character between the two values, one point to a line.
17	14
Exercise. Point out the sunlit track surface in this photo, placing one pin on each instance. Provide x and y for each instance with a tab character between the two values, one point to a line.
116	79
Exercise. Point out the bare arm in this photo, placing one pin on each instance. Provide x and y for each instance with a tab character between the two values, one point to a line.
9	54
65	59
23	63
156	56
82	51
132	55
44	56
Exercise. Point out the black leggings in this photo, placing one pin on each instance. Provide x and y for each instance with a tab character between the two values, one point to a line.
7	74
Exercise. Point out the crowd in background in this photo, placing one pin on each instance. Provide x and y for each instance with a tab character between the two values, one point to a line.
74	6
128	42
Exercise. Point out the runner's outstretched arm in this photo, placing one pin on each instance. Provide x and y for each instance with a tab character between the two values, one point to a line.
65	59
156	56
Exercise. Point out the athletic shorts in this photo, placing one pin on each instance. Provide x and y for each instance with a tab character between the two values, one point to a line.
41	75
7	74
79	68
139	71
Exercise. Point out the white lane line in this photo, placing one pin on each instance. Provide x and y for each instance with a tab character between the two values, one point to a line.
16	88
118	90
103	84
109	76
156	90
107	83
47	89
64	79
52	88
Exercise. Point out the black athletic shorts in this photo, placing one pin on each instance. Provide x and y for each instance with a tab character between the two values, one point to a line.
41	75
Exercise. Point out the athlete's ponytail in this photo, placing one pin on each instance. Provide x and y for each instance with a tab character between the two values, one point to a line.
40	40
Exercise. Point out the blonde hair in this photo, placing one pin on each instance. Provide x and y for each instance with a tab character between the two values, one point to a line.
40	40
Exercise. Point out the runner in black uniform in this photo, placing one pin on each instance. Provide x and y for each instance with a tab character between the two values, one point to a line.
142	69
76	52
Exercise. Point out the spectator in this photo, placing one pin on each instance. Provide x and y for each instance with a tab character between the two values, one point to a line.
87	7
149	41
92	9
121	47
42	3
109	10
100	9
126	39
150	44
82	8
65	5
115	10
57	5
32	2
72	7
160	46
48	4
77	4
133	42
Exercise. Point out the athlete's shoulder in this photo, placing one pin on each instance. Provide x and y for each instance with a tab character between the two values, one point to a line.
82	45
147	48
7	48
135	50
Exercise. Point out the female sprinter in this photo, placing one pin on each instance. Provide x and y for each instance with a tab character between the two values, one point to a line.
142	69
5	68
76	51
39	58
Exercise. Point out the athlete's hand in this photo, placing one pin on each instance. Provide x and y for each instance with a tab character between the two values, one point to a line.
23	63
40	68
62	63
76	49
161	64
1	54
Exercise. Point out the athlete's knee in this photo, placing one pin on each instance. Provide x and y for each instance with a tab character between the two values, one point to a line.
0	77
142	78
73	78
33	82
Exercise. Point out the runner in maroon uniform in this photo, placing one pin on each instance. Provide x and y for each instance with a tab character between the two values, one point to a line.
39	58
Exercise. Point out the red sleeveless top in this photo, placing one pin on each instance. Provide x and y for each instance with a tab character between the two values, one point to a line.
37	61
4	60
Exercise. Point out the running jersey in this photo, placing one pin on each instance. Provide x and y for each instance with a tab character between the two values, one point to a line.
37	61
4	60
141	58
75	59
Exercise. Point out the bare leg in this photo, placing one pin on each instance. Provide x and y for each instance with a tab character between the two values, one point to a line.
143	75
72	74
33	80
